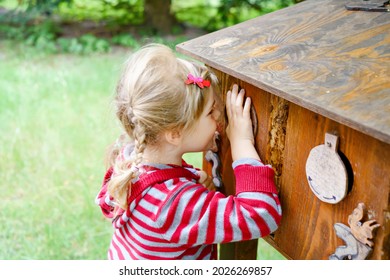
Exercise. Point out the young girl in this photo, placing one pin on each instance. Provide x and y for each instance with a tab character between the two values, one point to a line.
159	205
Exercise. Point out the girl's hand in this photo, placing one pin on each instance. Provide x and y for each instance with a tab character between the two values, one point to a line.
239	130
206	180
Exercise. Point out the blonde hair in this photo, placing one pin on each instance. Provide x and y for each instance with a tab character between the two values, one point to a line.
152	98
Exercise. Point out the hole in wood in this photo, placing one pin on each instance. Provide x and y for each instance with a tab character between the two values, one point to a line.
254	120
348	168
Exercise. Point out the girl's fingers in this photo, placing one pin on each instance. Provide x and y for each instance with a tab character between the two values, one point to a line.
233	96
239	102
235	102
228	104
247	108
231	100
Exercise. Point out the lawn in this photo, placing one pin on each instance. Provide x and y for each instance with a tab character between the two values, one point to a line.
56	121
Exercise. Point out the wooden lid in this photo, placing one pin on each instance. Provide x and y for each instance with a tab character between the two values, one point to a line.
316	54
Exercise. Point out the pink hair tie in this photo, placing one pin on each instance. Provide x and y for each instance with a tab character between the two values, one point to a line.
197	81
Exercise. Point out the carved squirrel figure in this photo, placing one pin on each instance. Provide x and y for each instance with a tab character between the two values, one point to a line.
361	231
357	244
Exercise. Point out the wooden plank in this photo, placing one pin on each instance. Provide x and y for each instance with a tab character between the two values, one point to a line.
308	219
286	134
315	54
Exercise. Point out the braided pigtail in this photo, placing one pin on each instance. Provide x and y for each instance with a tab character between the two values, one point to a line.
126	169
120	183
140	145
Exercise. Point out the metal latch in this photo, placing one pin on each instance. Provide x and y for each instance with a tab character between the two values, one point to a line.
368	6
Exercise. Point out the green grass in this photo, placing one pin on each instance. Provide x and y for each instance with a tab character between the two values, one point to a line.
55	124
266	252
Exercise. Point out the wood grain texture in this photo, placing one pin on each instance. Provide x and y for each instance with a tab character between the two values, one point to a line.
315	54
307	220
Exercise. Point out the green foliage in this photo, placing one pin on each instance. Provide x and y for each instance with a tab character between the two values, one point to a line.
39	22
86	44
12	32
30	11
231	12
42	36
126	40
219	14
43	6
112	12
46	40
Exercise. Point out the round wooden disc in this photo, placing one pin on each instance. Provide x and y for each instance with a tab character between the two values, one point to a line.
326	174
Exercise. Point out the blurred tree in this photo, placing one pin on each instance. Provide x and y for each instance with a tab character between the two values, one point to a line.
158	15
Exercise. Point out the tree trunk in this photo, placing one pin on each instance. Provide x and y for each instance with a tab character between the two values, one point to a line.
158	15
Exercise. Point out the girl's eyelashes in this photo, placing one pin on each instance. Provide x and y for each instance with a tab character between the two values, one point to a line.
212	109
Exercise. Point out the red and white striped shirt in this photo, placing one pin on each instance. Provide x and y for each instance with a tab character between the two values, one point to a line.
172	216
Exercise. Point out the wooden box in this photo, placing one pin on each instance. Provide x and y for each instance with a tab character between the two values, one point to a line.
311	69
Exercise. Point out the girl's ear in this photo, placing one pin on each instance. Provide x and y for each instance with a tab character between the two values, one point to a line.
173	137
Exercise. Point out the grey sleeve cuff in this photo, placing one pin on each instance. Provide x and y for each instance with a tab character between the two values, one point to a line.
249	161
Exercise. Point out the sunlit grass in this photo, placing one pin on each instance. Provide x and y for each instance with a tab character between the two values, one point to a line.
55	124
